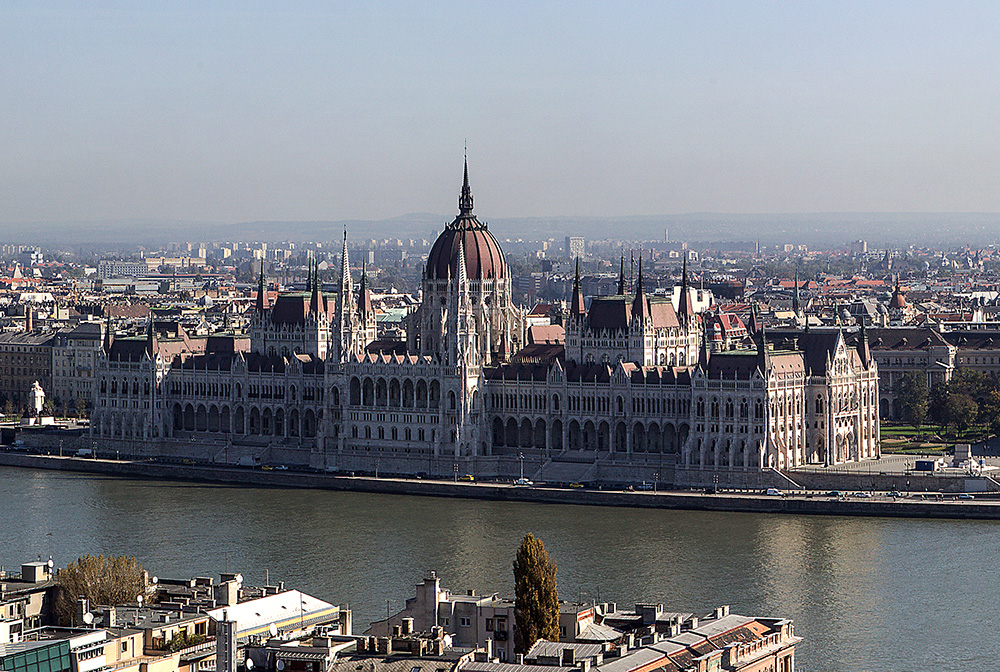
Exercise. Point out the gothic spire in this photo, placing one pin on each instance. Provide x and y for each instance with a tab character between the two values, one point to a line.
863	350
364	294
795	295
621	277
316	299
685	305
640	305
576	308
150	337
465	200
109	332
261	291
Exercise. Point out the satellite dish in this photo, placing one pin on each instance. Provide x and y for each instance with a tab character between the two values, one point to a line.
248	664
280	665
88	618
273	629
155	580
138	598
51	564
239	579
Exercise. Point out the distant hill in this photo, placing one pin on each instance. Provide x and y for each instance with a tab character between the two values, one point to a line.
813	229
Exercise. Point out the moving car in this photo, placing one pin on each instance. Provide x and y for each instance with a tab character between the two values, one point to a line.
774	492
862	495
834	493
468	478
523	481
965	495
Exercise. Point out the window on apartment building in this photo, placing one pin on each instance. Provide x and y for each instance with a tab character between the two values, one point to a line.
445	621
464	621
489	625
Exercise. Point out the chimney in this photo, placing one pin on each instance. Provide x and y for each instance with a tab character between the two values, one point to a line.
520	659
82	608
407	626
691	623
111	617
489	649
225	644
397	631
569	657
384	645
585	665
29	323
470	592
722	612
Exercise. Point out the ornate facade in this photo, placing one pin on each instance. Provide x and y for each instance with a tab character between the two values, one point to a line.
634	382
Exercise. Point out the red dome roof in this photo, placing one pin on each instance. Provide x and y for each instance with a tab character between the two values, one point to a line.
484	259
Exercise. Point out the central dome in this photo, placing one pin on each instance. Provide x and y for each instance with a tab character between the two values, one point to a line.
483	257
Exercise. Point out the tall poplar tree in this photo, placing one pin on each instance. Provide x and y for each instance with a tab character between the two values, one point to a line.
536	600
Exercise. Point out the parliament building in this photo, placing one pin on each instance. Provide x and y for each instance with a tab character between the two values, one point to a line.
632	391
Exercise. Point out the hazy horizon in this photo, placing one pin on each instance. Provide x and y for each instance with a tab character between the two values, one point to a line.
359	111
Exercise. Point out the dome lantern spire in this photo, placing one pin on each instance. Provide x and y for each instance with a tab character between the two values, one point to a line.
465	200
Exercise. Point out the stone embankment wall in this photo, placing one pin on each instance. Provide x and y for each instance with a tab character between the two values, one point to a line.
729	502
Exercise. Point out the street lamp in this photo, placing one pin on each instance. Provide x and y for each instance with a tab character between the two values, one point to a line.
520	458
656	480
454	469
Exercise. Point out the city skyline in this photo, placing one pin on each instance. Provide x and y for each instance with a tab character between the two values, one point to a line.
361	112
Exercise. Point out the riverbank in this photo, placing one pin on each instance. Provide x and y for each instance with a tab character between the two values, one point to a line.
748	502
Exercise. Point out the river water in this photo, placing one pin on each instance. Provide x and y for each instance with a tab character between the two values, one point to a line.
866	593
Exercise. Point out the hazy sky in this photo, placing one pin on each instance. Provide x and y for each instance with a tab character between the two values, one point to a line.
329	110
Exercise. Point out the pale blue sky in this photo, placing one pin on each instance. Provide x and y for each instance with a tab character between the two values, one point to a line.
330	110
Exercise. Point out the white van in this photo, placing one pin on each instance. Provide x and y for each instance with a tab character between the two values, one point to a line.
774	492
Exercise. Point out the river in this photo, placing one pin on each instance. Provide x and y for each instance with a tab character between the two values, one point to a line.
866	593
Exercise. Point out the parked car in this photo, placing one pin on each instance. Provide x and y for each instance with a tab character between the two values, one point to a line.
895	493
644	486
576	485
862	495
834	493
965	495
468	478
774	492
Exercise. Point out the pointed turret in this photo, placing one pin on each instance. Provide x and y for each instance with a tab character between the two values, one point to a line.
755	323
863	350
463	275
150	338
795	295
621	277
703	355
640	304
261	292
109	334
576	307
316	299
763	355
685	306
364	295
345	270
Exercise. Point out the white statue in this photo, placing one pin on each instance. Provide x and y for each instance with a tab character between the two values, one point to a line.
37	398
